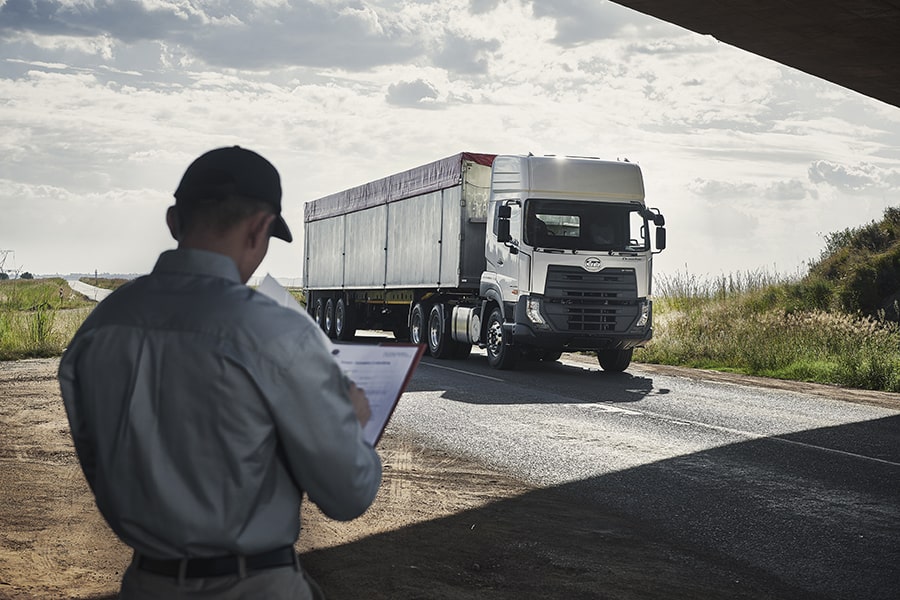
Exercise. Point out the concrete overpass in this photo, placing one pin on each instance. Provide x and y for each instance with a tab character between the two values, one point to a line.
853	43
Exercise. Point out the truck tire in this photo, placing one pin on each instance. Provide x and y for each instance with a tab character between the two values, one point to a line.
500	354
328	319
319	313
437	338
440	341
344	327
614	361
418	325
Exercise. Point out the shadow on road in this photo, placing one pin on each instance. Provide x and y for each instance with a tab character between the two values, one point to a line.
768	518
531	382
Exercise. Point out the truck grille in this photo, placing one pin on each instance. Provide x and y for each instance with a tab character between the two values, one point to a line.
576	300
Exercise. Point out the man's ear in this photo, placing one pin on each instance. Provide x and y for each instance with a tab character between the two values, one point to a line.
260	228
172	222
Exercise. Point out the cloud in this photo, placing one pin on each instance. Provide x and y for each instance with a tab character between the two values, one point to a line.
861	177
784	190
792	189
465	55
126	21
480	7
233	34
418	93
584	21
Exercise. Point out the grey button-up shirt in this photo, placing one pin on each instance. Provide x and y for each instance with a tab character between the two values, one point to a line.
201	410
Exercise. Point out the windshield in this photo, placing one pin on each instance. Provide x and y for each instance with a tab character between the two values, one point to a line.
568	225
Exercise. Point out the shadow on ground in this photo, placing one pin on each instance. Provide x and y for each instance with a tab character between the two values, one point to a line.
769	518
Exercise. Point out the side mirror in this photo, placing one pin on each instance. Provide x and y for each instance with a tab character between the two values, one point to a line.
503	235
660	238
653	214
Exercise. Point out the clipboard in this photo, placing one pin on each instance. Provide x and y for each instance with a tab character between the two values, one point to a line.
382	372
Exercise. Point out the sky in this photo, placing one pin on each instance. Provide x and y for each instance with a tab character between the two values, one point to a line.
104	103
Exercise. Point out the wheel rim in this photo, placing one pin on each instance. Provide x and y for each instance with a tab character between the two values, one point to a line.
495	337
339	318
319	313
415	329
329	316
434	332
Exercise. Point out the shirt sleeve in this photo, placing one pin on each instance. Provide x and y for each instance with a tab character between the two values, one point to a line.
321	436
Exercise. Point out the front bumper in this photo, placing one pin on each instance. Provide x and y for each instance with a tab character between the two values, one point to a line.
549	324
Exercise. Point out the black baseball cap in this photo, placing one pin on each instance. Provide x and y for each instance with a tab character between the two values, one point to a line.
234	170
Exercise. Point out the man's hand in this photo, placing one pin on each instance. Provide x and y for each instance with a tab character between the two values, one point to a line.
360	404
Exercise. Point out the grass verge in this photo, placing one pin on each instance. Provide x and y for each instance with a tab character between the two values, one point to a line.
760	324
38	317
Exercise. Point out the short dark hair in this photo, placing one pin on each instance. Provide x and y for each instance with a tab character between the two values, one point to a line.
219	213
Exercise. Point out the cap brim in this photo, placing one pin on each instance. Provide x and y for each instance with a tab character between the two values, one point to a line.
280	230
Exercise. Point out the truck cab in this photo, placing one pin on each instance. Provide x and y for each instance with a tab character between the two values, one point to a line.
568	260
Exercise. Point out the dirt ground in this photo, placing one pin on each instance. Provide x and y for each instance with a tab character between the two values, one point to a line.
440	528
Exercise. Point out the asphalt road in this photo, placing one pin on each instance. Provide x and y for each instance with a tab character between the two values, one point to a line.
801	488
93	293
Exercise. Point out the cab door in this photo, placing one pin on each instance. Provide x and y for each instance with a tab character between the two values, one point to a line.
502	248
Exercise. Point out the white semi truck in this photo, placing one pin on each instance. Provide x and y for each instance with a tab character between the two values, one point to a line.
525	256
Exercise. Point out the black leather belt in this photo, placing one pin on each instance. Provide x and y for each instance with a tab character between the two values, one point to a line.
217	566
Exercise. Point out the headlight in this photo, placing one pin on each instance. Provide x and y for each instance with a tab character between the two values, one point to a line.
645	315
533	311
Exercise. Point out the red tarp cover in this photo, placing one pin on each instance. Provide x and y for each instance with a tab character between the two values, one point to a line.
434	176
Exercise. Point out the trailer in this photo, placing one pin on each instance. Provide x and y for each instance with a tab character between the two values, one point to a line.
524	256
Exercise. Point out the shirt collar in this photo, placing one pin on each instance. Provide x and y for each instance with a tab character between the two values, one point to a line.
197	262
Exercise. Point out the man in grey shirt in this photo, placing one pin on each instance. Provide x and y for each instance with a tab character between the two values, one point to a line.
201	411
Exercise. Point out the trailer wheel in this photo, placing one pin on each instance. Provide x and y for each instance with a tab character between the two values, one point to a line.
500	354
417	325
319	313
328	321
437	336
614	361
344	328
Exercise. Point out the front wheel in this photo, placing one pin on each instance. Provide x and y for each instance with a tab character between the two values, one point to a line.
500	354
614	361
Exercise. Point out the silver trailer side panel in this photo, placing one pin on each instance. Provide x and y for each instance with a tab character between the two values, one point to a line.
423	228
414	241
452	217
324	253
364	254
